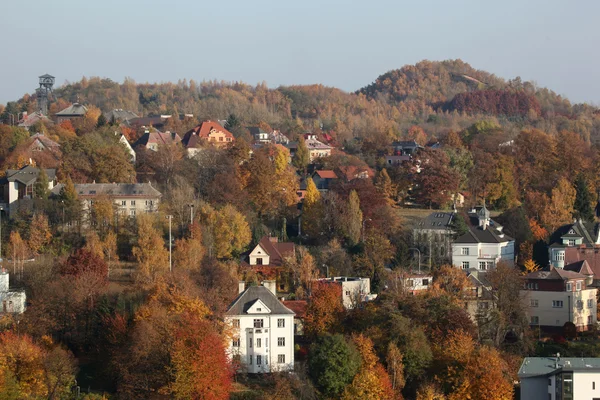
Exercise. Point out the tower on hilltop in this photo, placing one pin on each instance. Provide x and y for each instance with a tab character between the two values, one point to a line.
43	92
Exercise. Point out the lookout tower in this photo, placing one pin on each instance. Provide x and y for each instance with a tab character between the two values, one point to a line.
43	92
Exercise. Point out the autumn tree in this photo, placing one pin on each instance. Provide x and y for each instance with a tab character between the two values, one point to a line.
302	156
231	232
39	233
189	251
377	253
149	251
384	185
312	210
530	266
559	211
325	309
583	202
353	219
437	181
18	251
41	190
371	381
333	363
304	271
395	367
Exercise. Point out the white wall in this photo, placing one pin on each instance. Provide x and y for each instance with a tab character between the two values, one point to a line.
495	252
550	316
259	252
268	335
583	384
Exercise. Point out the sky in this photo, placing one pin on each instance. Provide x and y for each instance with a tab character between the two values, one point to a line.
344	44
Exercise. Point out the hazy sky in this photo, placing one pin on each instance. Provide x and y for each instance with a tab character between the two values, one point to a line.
336	43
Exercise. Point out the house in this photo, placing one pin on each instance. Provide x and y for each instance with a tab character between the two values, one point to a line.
415	283
576	242
262	329
479	298
484	245
557	296
323	179
559	378
208	132
40	149
74	111
28	120
405	147
393	161
153	140
123	140
119	115
19	184
433	235
13	301
268	257
259	135
279	138
316	149
354	290
157	122
299	308
352	172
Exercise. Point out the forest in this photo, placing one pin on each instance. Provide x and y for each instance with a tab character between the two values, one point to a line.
105	313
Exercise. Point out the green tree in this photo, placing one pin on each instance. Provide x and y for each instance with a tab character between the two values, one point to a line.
582	208
459	225
353	219
302	156
101	121
333	363
41	185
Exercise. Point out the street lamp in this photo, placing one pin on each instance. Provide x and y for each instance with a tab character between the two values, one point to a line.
419	252
170	217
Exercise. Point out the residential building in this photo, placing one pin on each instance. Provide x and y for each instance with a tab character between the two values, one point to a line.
40	149
299	308
118	115
157	122
433	236
19	185
74	111
576	242
558	378
29	120
316	149
405	147
263	330
354	290
260	135
130	199
484	245
478	297
323	179
208	132
393	161
557	296
123	140
267	259
415	283
13	301
153	140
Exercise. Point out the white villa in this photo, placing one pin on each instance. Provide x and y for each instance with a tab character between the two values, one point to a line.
13	301
263	330
483	246
354	290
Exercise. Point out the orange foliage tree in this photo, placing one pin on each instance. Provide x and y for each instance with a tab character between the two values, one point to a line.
325	309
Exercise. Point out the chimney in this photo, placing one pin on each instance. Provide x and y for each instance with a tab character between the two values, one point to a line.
273	239
241	287
271	285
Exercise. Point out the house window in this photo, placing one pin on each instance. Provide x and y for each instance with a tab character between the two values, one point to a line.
569	287
490	265
259	309
533	303
559	256
250	359
220	138
280	323
532	286
236	342
571	242
258	323
133	202
465	265
281	341
411	283
590	303
258	360
258	343
132	213
259	261
482	265
236	323
535	320
580	304
590	320
578	286
549	382
347	293
425	282
464	251
281	358
123	202
557	303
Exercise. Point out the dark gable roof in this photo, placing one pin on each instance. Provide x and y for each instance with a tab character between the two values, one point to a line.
581	267
478	235
249	296
27	175
585	230
116	189
437	220
75	109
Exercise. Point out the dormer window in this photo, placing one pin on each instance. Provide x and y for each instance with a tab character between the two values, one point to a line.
571	242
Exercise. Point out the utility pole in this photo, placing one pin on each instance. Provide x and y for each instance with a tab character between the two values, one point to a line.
191	206
170	217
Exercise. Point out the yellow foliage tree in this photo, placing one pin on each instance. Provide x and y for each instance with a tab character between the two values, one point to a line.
150	251
530	266
39	233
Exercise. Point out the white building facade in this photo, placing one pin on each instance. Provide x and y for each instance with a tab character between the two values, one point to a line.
483	246
12	301
354	290
262	331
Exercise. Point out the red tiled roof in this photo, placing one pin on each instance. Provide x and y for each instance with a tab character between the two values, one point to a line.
202	131
326	174
277	251
297	306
